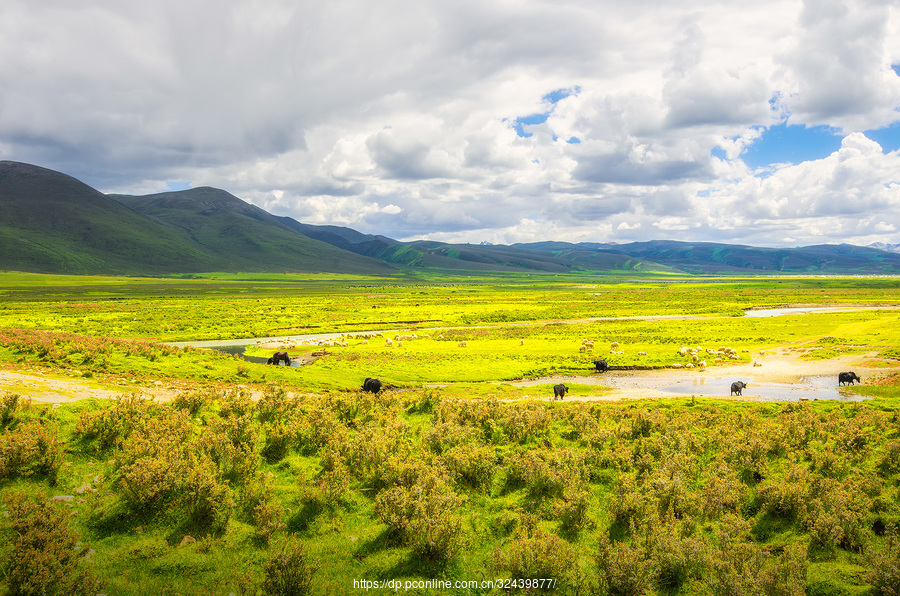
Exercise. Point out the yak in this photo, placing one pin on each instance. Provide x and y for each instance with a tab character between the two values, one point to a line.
848	378
559	391
371	385
737	387
279	357
601	365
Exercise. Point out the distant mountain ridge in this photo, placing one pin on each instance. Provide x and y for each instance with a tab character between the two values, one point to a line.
53	223
887	247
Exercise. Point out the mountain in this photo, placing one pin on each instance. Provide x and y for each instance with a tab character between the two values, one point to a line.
52	223
471	257
709	257
243	236
887	247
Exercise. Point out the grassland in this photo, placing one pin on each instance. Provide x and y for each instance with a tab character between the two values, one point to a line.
312	485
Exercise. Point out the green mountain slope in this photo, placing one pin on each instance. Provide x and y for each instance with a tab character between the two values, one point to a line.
245	237
50	222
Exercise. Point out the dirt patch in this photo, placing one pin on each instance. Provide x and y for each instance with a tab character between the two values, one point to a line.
45	387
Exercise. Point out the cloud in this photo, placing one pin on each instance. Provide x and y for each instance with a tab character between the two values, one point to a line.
469	121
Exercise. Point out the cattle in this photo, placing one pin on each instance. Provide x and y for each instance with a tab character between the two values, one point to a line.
279	357
371	385
559	391
848	378
737	387
462	344
601	365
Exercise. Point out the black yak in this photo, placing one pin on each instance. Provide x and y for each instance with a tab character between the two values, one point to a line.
371	385
279	357
848	378
737	387
559	391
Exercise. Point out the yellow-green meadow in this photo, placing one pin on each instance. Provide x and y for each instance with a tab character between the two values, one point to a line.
248	478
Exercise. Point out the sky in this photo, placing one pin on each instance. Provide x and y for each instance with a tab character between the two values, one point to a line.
769	123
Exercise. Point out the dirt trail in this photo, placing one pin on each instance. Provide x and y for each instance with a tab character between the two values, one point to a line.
46	387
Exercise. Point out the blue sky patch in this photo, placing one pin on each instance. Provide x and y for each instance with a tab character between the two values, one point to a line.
560	94
888	138
792	144
554	97
719	152
173	185
524	121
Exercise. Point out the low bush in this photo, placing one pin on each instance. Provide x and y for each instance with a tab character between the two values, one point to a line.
424	513
45	558
31	449
289	571
536	553
884	566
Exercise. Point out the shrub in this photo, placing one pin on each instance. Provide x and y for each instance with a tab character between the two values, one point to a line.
275	404
165	463
235	402
837	517
194	401
741	567
334	484
535	553
471	465
788	496
32	448
424	514
571	510
722	491
289	571
8	404
625	569
676	557
45	559
884	566
111	425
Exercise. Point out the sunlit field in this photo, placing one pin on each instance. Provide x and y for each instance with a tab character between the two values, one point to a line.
246	478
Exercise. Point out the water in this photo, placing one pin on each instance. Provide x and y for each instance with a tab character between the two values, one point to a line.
812	387
238	350
823	387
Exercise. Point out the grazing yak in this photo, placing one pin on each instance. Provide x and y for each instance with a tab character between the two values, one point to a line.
371	385
737	387
848	378
601	365
559	391
279	357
